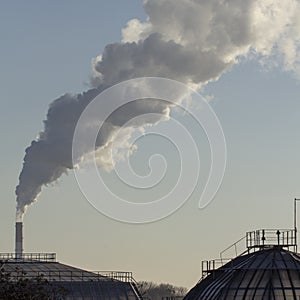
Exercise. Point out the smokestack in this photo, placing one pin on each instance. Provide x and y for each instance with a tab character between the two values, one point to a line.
19	239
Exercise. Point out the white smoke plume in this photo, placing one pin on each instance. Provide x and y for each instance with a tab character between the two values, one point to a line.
192	41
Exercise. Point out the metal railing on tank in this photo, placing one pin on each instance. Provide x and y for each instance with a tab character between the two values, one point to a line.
28	257
73	276
264	238
117	275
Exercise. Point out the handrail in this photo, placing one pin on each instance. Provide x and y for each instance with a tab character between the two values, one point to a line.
28	257
271	237
117	275
208	266
231	246
80	275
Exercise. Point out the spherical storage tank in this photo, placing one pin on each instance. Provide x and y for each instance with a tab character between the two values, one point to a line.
77	284
266	270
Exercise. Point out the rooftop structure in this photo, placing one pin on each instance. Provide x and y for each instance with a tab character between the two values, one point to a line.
79	284
269	268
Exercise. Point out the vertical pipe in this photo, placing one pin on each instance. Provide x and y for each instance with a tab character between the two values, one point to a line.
19	240
295	214
295	222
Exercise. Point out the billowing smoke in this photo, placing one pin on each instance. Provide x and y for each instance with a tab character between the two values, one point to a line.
192	41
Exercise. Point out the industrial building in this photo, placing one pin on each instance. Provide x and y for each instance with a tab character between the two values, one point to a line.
77	283
269	268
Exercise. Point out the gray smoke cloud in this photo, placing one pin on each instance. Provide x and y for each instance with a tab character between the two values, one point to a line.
192	41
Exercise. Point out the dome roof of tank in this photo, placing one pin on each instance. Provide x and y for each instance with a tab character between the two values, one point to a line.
78	283
272	273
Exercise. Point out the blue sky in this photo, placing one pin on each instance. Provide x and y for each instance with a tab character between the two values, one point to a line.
46	51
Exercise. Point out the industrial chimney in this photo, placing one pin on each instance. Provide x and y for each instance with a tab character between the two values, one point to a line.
19	239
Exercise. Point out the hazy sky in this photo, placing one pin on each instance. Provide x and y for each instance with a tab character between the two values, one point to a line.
46	51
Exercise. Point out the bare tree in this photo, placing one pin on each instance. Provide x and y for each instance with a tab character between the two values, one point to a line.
17	286
152	291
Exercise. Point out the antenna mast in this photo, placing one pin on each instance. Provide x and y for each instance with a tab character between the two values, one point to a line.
295	220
